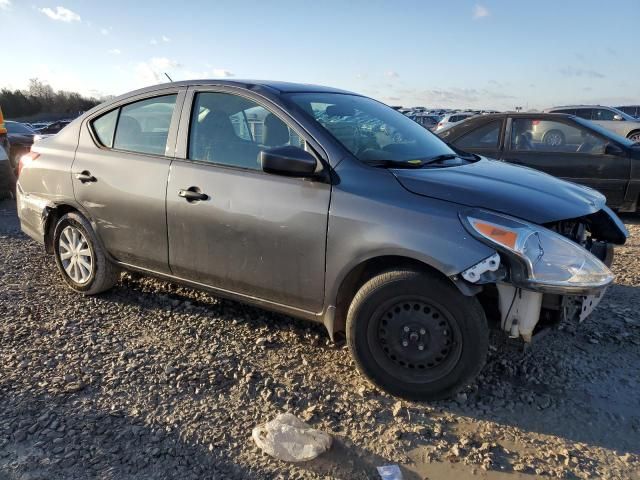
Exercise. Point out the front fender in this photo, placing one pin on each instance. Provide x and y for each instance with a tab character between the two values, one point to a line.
373	216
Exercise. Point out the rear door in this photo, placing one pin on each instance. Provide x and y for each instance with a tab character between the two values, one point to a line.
120	176
254	234
578	157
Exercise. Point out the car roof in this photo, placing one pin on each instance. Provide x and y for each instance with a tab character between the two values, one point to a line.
275	86
581	106
524	115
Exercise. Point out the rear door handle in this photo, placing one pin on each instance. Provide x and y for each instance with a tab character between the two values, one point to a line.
192	194
85	177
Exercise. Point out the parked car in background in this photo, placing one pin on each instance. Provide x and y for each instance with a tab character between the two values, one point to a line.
451	119
633	110
565	146
396	240
54	127
608	117
20	138
430	122
7	176
4	137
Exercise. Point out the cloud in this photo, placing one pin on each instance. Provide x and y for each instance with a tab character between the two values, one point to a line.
391	74
115	51
62	14
153	71
221	72
580	72
105	31
480	11
5	4
163	39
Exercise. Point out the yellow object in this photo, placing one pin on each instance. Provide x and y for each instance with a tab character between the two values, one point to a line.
2	128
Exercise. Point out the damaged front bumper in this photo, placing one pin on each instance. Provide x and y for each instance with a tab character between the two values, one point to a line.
520	309
520	306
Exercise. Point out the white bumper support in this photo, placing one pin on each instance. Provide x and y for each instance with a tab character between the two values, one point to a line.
519	310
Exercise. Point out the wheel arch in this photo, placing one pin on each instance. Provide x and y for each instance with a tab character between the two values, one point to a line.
633	132
362	273
53	213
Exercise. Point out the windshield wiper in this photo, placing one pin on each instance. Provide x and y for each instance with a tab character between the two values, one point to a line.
396	163
439	158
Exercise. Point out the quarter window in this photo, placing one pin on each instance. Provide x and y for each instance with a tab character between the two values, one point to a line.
551	136
105	126
485	136
232	130
143	126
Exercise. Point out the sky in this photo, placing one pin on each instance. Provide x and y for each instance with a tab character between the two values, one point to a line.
448	53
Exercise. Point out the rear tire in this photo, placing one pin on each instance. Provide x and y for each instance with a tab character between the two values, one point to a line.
415	335
554	138
81	259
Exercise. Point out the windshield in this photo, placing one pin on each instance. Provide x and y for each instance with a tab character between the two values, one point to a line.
371	130
15	127
604	132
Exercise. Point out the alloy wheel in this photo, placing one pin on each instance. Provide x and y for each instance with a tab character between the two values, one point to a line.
75	255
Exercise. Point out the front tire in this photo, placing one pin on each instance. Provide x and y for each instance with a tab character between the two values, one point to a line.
634	136
416	336
81	259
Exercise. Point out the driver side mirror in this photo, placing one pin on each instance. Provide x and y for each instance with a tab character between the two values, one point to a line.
618	118
288	161
613	149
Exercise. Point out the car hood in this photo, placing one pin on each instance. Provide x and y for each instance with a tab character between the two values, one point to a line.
518	191
20	138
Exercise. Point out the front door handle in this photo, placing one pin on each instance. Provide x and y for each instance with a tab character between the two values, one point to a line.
192	194
85	177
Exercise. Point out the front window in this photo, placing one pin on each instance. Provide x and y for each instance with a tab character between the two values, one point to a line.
370	130
542	135
231	130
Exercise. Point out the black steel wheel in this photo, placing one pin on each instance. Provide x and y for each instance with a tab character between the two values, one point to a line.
415	335
420	340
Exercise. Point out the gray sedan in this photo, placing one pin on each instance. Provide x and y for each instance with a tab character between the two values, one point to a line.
283	196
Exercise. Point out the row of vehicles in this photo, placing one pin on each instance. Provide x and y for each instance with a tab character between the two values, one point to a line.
437	120
16	138
330	206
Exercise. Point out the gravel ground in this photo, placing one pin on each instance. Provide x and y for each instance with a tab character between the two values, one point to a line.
154	380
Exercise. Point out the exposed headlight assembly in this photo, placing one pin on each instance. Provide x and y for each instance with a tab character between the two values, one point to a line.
547	260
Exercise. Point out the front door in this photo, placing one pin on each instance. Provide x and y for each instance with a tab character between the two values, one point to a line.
120	177
569	151
245	231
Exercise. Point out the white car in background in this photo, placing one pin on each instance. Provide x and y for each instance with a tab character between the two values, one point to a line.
610	118
452	119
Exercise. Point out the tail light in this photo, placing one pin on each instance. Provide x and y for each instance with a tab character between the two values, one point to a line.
26	159
535	122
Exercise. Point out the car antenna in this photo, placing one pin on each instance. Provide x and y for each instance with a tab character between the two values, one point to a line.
167	75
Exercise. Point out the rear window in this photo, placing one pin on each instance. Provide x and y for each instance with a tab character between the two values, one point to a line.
143	126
